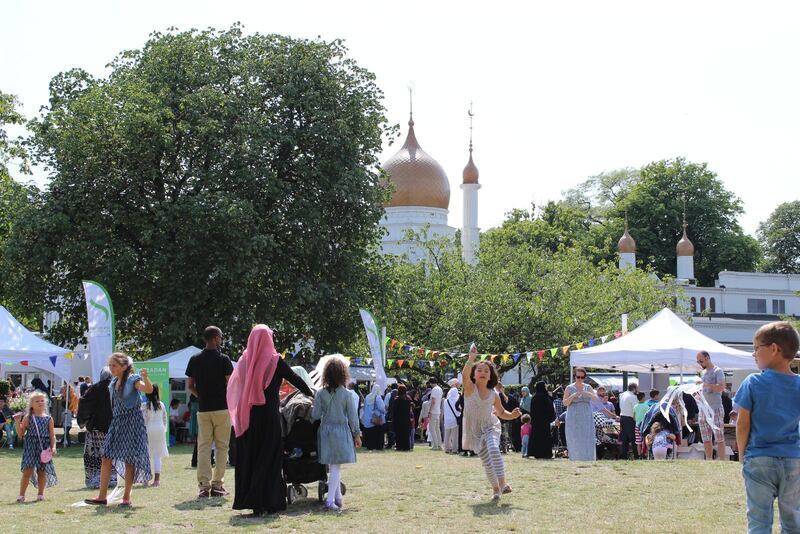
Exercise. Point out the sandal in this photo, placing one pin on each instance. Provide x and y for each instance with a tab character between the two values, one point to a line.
40	498
496	497
96	502
507	489
21	499
126	504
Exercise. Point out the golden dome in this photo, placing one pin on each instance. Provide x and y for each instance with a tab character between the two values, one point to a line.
685	247
418	179
626	242
470	173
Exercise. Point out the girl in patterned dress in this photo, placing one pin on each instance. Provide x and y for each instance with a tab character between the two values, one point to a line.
39	431
481	426
125	447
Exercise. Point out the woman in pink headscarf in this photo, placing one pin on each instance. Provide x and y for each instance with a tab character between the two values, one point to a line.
253	404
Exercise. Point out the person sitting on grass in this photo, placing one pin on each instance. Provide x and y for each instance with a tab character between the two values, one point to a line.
767	430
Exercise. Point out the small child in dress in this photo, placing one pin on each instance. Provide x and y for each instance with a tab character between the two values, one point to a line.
525	432
660	440
482	408
155	421
339	432
40	435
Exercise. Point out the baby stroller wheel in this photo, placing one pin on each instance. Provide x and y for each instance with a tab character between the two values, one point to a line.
344	488
291	494
322	488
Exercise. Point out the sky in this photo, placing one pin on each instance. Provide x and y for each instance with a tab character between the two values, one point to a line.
561	90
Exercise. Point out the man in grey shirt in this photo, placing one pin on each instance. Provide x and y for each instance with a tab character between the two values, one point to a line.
713	385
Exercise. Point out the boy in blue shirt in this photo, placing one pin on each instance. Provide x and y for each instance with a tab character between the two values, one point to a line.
768	430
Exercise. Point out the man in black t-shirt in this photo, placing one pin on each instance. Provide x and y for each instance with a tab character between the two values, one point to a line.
208	374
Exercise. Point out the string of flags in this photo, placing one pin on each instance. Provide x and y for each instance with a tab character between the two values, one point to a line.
411	356
53	359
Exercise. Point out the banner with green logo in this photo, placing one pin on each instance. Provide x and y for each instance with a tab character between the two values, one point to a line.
102	326
158	372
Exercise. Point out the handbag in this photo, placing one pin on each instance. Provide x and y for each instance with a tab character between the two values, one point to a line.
46	455
377	419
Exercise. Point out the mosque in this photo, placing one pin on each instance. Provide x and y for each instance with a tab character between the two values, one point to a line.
421	200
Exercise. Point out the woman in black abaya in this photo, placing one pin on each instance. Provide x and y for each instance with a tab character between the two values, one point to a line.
254	407
402	419
542	414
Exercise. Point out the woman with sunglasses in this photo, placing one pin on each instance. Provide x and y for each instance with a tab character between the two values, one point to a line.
580	423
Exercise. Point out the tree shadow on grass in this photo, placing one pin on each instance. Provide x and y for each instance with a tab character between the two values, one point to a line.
200	504
492	508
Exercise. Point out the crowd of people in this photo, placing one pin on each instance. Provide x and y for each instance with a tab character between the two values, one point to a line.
474	417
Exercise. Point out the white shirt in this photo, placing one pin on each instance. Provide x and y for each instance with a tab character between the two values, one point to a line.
436	393
627	402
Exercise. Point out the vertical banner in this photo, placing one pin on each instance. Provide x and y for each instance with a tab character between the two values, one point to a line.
102	326
158	372
377	346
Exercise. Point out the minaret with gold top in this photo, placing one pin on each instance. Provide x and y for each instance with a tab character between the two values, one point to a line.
627	248
685	252
470	233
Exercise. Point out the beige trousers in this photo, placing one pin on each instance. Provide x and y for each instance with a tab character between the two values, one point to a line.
212	427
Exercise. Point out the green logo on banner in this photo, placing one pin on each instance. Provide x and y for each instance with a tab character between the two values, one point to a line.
101	308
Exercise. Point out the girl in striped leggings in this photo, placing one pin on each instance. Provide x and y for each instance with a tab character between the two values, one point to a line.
481	426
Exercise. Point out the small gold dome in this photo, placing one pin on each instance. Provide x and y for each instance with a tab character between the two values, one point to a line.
418	179
626	242
470	173
685	247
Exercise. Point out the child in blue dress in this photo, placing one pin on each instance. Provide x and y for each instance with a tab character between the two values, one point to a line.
125	447
339	432
41	436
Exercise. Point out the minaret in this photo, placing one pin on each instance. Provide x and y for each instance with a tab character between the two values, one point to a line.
627	248
685	251
470	233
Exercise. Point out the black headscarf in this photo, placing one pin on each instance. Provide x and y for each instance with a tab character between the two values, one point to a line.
542	405
38	384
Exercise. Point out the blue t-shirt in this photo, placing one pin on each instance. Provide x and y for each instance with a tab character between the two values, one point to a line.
774	402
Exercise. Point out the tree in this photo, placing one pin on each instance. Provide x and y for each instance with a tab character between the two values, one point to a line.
516	298
211	178
780	239
653	202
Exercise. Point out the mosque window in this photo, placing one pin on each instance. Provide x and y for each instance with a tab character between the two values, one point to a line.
712	303
756	305
702	304
694	305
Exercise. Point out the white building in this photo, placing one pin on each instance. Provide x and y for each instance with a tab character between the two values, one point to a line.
421	199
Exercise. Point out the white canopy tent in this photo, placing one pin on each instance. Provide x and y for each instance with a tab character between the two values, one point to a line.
20	346
178	361
664	344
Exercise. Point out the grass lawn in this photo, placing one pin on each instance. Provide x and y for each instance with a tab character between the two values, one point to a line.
421	491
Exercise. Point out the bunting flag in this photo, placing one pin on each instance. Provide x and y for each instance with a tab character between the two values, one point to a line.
53	360
541	355
69	355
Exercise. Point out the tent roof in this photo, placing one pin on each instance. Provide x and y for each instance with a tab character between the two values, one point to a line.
18	344
178	360
664	344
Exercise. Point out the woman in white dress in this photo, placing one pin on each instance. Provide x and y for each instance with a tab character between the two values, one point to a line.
481	424
155	421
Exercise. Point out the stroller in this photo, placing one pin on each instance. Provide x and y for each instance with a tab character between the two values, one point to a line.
300	465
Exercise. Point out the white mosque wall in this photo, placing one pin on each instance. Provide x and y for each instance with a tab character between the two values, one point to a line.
398	221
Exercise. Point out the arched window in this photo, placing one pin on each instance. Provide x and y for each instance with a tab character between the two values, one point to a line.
694	305
712	303
702	304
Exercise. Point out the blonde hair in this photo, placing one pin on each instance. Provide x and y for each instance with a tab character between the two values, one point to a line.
124	361
36	393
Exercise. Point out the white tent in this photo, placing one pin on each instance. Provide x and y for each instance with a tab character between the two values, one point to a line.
664	344
178	361
18	345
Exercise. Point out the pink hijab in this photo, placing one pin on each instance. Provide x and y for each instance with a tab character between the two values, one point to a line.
252	375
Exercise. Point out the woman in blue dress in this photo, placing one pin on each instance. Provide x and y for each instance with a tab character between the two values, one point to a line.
125	447
339	434
580	423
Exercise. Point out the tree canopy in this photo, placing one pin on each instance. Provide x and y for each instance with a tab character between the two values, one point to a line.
780	239
211	178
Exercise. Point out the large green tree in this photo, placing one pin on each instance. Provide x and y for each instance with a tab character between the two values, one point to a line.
780	239
653	201
517	298
211	178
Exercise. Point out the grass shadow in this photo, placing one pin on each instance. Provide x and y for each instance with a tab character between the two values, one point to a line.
492	508
200	504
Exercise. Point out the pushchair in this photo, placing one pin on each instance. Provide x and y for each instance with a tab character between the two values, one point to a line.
300	465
